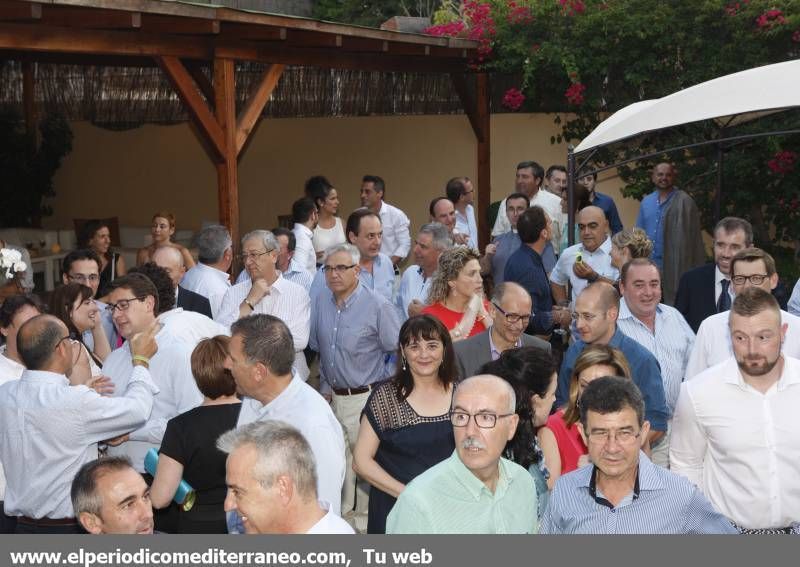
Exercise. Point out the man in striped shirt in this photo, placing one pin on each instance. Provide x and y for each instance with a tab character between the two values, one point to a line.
623	492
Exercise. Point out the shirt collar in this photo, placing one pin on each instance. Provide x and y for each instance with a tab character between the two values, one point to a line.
44	376
625	311
283	399
473	484
353	296
790	376
719	276
617	338
304	229
493	349
294	267
647	478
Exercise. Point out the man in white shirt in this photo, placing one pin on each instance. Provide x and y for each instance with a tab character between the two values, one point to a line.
83	266
587	261
555	179
268	292
289	267
305	217
49	429
442	210
209	277
734	432
260	360
133	300
460	192
396	234
272	482
752	267
412	296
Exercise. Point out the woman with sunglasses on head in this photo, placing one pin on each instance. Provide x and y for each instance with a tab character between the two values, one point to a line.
562	444
405	426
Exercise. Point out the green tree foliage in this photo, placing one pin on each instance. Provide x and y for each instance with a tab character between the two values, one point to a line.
371	12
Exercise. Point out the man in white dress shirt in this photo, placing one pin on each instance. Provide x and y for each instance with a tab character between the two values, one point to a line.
260	361
49	429
288	266
412	296
209	277
272	482
751	267
734	433
461	193
396	233
83	266
268	292
305	217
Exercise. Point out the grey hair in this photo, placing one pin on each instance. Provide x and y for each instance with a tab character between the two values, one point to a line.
169	251
281	449
441	239
265	236
500	291
266	339
494	380
212	242
355	255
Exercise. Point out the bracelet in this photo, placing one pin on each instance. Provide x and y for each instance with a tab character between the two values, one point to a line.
250	305
139	358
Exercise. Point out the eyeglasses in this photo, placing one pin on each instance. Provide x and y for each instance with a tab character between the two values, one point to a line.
83	278
588	317
512	318
482	420
339	268
123	304
621	436
755	279
254	255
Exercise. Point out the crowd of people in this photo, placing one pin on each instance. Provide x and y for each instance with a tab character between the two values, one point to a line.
356	377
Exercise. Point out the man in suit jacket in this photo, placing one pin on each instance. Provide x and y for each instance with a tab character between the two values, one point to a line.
191	301
511	312
700	290
171	260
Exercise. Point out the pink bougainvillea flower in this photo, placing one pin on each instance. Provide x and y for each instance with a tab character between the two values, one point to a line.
782	163
513	99
770	19
574	94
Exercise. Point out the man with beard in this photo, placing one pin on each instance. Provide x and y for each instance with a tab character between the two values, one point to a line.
734	431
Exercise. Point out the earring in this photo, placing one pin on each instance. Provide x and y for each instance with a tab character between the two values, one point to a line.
404	361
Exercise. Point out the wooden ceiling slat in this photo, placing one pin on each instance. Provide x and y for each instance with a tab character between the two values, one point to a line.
176	25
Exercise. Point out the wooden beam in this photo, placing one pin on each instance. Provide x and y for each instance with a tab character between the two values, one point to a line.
20	11
227	168
201	79
304	38
364	44
179	26
483	110
67	16
255	104
190	95
252	32
468	102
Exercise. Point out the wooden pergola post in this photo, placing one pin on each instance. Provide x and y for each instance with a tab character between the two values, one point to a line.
227	167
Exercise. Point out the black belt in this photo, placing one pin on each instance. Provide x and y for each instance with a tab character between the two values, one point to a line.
47	522
352	391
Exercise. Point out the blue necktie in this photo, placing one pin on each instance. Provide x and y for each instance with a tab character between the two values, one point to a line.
724	301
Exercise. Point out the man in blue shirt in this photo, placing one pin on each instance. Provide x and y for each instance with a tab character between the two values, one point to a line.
622	492
603	201
596	312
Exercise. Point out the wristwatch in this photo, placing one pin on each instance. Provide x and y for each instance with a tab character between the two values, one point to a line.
250	305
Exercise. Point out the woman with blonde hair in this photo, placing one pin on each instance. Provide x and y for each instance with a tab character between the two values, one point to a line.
563	447
456	294
629	244
162	229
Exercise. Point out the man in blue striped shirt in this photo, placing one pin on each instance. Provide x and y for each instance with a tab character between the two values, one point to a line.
623	492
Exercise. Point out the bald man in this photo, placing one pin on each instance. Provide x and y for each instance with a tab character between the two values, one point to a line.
171	259
595	315
588	261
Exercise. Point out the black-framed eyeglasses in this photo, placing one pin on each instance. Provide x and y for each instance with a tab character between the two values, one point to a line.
512	318
254	255
123	304
339	268
83	278
755	279
482	420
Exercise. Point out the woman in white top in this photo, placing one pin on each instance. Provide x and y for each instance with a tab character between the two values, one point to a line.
73	304
329	229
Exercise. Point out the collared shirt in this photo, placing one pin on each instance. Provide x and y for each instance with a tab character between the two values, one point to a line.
645	372
380	280
599	260
396	236
495	352
609	208
505	245
189	327
671	344
651	220
740	446
794	300
662	502
294	273
354	340
49	429
287	301
302	407
718	277
108	327
465	224
330	523
449	499
526	268
9	369
171	370
413	285
304	251
209	282
714	345
543	198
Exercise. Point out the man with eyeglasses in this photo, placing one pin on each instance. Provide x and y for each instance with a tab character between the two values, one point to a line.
751	267
622	491
475	490
735	429
510	310
461	193
49	429
83	266
596	312
412	295
268	292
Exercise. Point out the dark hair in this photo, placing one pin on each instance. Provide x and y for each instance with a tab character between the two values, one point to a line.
88	230
36	349
78	255
531	223
529	371
538	170
317	189
455	188
380	186
281	231
580	198
611	394
354	221
208	368
266	339
302	209
623	273
83	492
584	173
433	204
553	168
139	284
424	327
165	289
514	196
13	304
732	224
62	301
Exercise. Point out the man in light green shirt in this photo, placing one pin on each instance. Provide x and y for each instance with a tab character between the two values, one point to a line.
475	491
